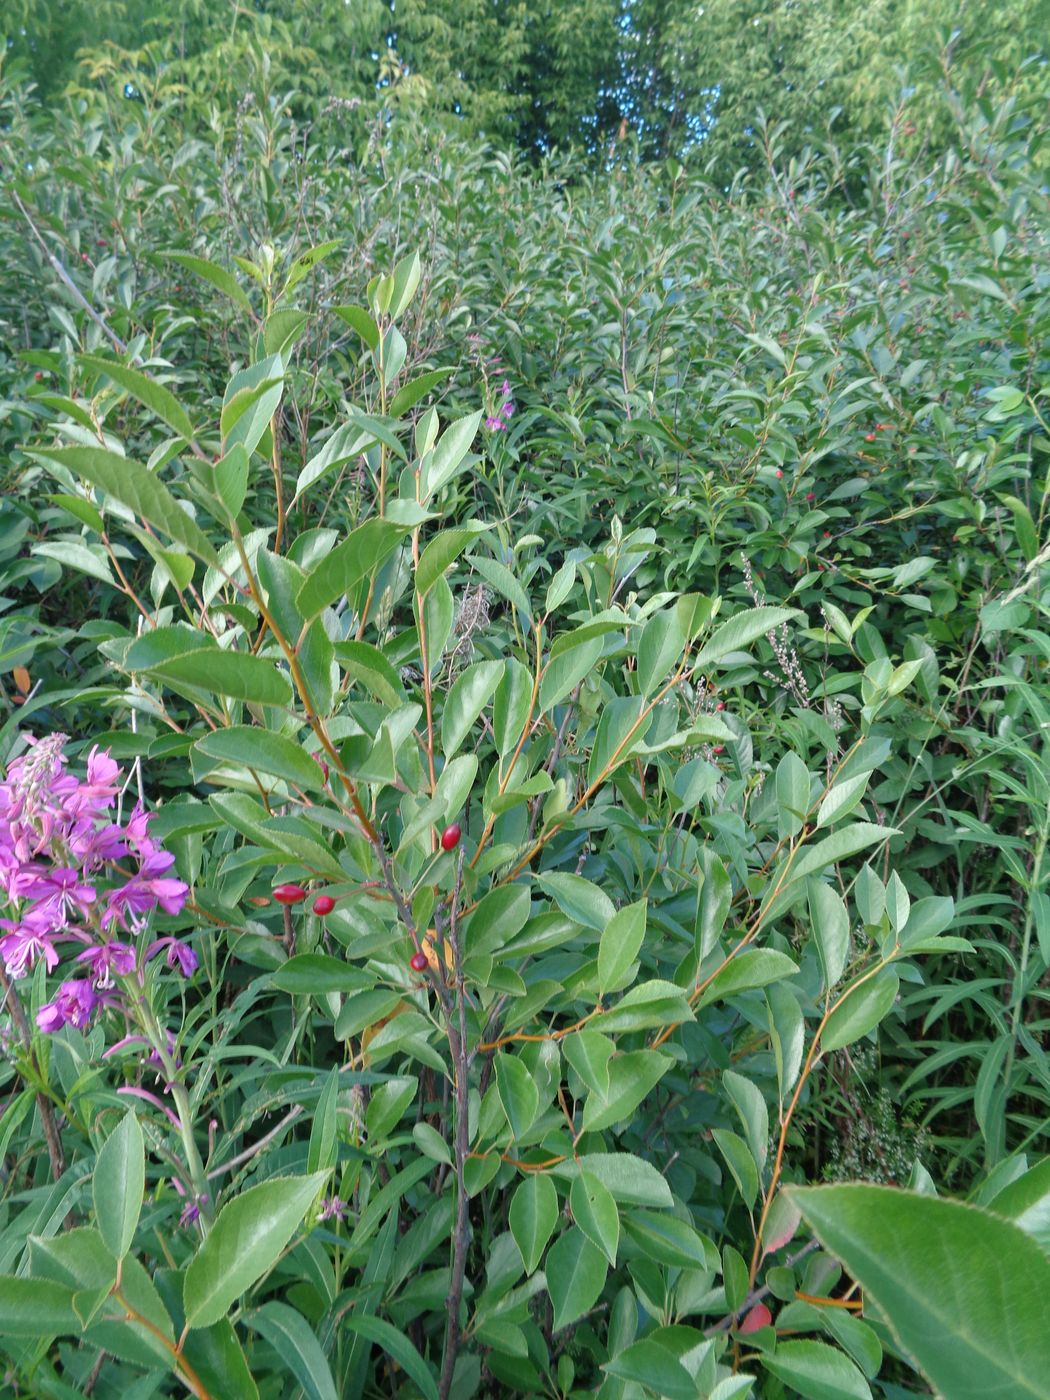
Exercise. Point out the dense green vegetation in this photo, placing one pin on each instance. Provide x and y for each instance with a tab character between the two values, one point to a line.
574	597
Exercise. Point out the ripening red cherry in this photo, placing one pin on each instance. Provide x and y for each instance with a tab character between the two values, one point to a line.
758	1317
779	473
324	904
418	962
721	705
289	894
869	437
450	837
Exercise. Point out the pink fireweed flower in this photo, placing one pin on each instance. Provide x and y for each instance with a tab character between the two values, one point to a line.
93	847
332	1207
180	955
62	894
107	959
136	832
146	890
72	1006
497	425
21	948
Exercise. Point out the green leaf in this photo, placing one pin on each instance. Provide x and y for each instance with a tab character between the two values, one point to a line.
532	1217
566	668
620	942
840	844
755	967
359	320
715	899
576	1271
630	1180
659	649
32	1307
323	1151
216	275
158	399
396	1345
740	632
314	974
861	1011
751	1107
648	1364
668	1240
247	1239
594	1211
963	1291
431	1143
133	486
621	728
631	1077
230	476
118	1183
841	799
367	665
653	1003
447	456
348	564
263	751
471	691
1026	1201
579	899
293	1339
830	922
410	394
348	441
817	1371
517	1093
234	673
589	1053
793	789
740	1162
442	552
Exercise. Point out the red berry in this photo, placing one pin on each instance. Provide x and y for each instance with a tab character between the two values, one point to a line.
39	374
869	437
759	1316
324	904
450	837
418	962
811	495
718	748
827	534
779	473
289	894
721	705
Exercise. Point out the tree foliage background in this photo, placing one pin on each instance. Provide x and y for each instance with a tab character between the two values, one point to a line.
547	508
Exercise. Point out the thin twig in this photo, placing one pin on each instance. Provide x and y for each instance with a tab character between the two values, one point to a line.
79	296
457	1036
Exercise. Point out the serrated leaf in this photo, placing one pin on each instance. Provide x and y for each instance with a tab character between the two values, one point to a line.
963	1291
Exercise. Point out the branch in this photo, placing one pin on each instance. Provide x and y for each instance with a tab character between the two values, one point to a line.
68	282
457	1037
